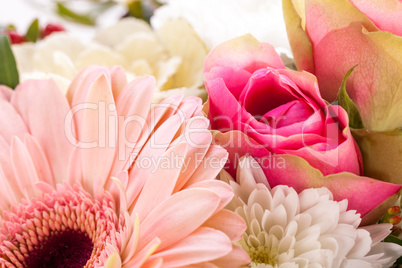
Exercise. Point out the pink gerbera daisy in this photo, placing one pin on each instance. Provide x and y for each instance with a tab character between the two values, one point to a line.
98	179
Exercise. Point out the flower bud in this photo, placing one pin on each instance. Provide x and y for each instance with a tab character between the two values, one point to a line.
394	210
395	220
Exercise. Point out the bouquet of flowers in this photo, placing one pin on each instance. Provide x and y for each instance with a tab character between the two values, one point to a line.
193	142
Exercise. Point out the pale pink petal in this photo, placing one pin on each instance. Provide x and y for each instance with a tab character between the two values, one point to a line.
199	139
75	167
236	258
214	160
170	220
150	154
5	160
79	86
228	222
156	263
78	93
190	106
160	184
141	256
12	123
118	80
5	93
202	245
133	106
24	168
221	188
10	197
46	122
39	160
99	135
133	231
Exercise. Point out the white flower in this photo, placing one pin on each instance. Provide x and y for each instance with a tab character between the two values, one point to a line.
309	229
217	21
174	55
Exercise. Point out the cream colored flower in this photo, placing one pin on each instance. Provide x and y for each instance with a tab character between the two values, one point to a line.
174	55
309	229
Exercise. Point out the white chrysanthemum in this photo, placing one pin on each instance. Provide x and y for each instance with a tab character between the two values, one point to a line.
217	21
174	55
309	229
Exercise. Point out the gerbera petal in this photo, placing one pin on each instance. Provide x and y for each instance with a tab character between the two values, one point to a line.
160	184
134	114
236	258
169	221
5	93
228	222
24	168
214	159
150	154
48	128
39	160
99	135
219	187
202	245
143	254
10	196
10	118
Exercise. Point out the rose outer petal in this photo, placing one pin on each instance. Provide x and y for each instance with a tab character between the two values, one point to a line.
363	194
386	14
244	52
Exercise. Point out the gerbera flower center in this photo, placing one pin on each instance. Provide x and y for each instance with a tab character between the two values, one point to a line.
67	228
69	248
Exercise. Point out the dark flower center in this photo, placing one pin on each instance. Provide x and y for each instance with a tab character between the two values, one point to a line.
67	249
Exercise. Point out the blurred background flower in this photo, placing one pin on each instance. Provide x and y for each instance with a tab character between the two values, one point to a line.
174	55
216	21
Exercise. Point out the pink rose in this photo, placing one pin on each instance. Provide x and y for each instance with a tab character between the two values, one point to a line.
251	90
261	108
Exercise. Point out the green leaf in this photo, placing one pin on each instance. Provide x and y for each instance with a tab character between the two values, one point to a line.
8	67
143	9
395	240
33	32
67	13
343	99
